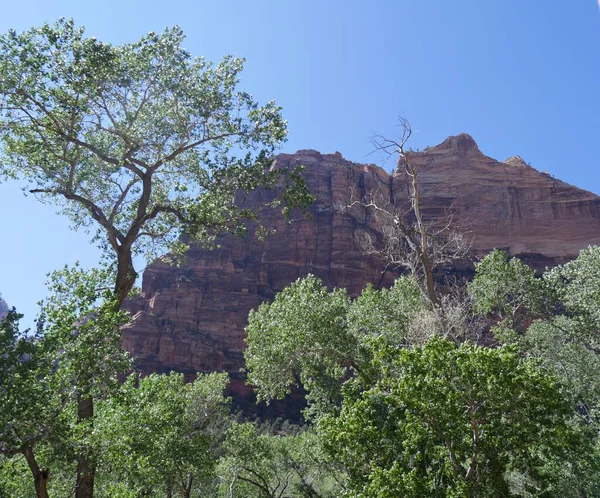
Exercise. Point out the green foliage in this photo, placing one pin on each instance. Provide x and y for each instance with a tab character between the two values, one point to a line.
142	141
82	330
577	285
149	148
560	346
158	434
443	419
451	421
564	339
568	343
76	349
317	338
75	352
14	479
506	288
301	337
386	313
265	465
22	364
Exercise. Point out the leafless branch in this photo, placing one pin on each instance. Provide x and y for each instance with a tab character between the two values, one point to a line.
401	234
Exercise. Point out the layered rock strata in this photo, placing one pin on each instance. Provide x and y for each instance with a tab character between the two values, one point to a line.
192	318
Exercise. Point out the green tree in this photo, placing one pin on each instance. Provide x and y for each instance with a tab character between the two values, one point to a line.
267	464
441	419
158	434
317	338
24	389
506	289
562	334
568	342
452	421
386	313
559	318
577	286
75	353
139	142
302	337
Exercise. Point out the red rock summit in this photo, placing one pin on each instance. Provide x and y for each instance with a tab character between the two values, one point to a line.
192	318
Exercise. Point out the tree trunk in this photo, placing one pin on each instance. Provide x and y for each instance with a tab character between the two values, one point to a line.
86	469
424	249
40	476
187	486
126	275
429	281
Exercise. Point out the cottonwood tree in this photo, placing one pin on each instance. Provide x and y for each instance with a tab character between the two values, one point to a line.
433	419
22	425
75	352
466	421
317	338
158	435
141	143
554	318
507	291
137	141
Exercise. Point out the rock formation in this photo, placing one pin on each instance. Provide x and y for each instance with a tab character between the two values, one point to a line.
3	308
191	319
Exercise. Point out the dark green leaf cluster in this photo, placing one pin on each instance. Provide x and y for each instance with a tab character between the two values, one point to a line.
445	420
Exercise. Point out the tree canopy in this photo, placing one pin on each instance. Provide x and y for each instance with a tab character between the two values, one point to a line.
444	420
316	337
404	410
141	142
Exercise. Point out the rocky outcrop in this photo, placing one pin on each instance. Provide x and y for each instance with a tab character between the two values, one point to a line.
192	318
3	308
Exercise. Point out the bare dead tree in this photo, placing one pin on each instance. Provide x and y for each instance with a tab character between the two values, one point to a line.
409	241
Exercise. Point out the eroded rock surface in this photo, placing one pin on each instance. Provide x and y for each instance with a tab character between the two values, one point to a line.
192	318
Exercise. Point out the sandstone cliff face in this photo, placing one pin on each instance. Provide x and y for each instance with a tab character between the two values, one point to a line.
192	318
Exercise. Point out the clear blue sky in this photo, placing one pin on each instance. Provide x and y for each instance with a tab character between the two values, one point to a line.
521	76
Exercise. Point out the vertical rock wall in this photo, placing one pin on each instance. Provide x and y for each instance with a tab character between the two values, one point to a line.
192	318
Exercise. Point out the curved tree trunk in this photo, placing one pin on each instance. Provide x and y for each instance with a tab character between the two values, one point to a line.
126	275
187	486
40	476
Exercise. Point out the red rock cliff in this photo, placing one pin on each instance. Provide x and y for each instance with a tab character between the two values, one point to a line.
192	318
